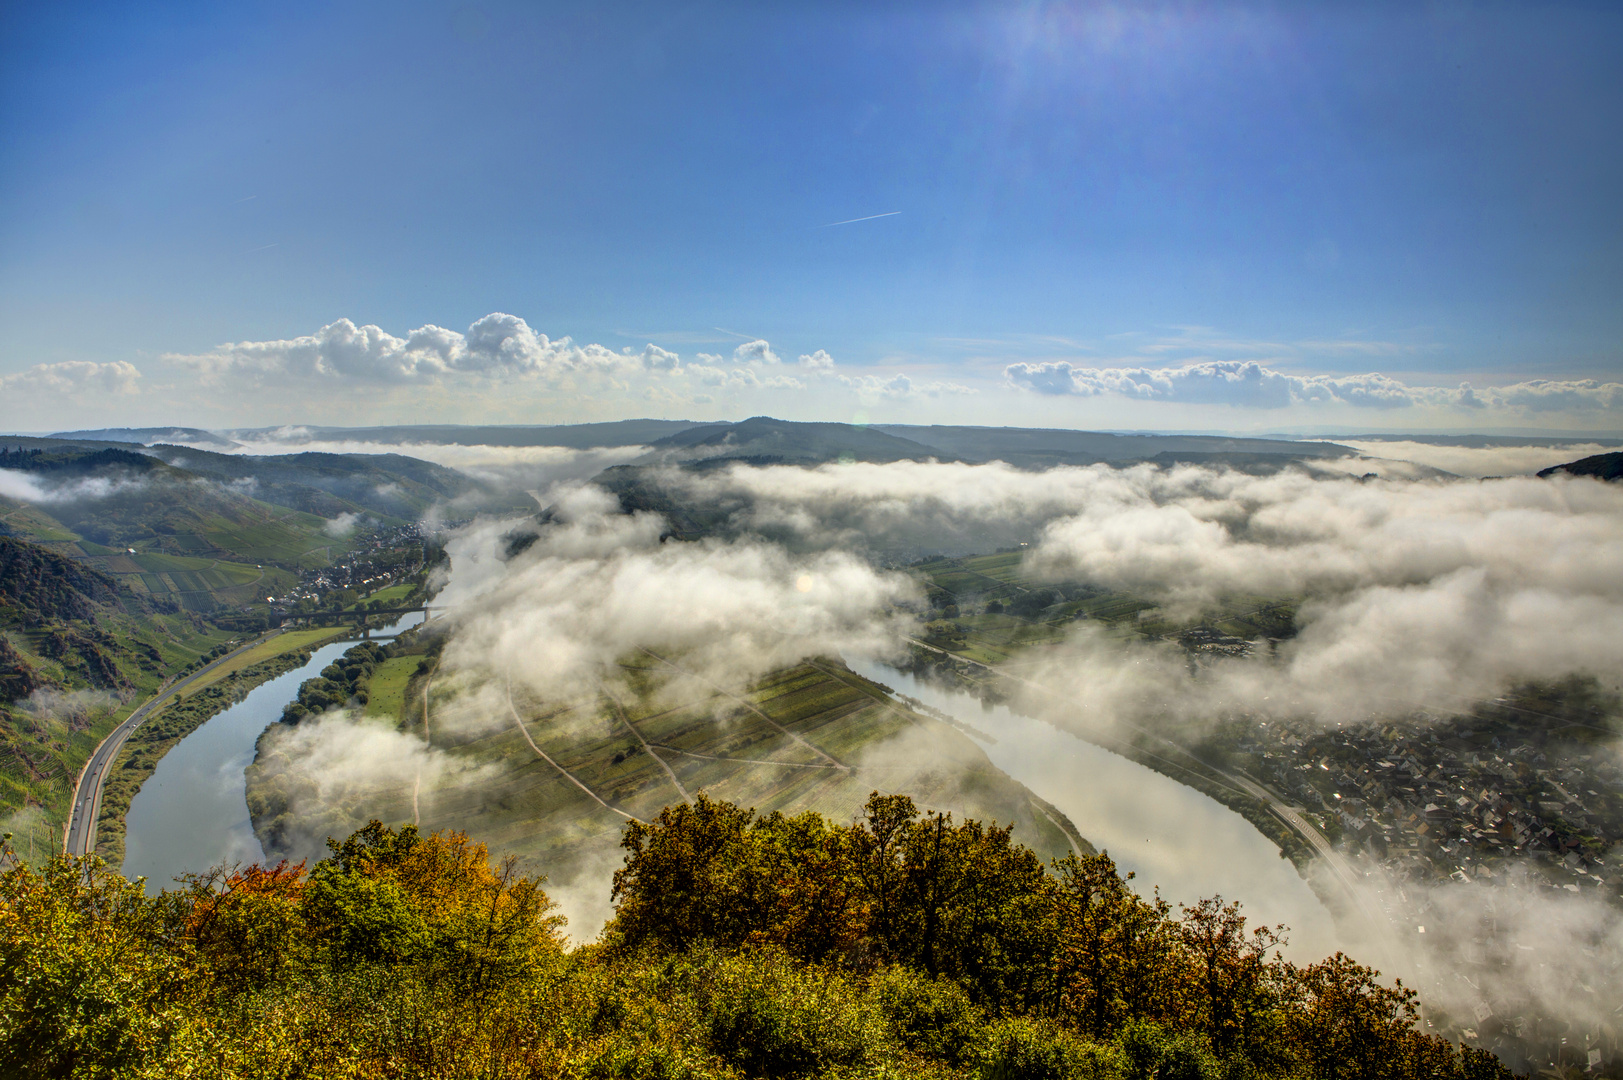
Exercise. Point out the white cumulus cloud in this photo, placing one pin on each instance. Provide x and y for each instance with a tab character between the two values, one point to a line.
74	377
1250	384
497	346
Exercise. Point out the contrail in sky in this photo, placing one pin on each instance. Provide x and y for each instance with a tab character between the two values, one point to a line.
851	221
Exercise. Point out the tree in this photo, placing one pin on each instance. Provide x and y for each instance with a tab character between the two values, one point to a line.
1347	1026
94	979
1234	989
1110	946
687	877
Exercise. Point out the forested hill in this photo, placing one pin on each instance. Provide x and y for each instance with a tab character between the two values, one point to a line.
900	946
762	439
392	485
73	461
37	584
77	650
1600	466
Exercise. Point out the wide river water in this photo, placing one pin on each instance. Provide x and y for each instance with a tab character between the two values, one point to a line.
192	813
1172	837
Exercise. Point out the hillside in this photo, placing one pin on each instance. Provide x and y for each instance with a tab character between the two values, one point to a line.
553	782
1600	466
77	652
576	436
394	487
177	546
763	440
214	533
148	436
37	585
390	485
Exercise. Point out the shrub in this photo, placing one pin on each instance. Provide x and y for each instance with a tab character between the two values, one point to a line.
770	1017
1151	1052
932	1018
1020	1048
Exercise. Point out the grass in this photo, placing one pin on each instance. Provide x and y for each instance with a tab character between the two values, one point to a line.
394	594
285	642
386	693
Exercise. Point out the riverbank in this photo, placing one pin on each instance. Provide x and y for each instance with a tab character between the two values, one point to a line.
1176	838
1187	766
148	744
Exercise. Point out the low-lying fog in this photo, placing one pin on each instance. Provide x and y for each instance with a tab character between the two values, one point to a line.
1415	590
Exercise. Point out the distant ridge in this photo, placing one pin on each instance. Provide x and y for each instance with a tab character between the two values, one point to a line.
148	436
1479	442
763	439
1600	466
574	436
1064	446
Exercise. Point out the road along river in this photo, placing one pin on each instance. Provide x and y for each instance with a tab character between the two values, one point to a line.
1172	837
192	813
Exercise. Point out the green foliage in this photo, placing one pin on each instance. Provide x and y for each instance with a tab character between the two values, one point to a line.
1022	1048
340	682
1151	1052
769	1016
86	986
964	905
932	1018
406	955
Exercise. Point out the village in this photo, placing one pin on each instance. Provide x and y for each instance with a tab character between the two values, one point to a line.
381	558
1430	797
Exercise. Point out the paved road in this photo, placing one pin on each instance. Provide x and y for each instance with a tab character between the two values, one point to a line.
81	839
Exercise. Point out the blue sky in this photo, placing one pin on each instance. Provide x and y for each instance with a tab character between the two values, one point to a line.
1181	216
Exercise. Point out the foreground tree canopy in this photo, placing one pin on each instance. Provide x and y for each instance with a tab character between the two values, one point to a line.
742	946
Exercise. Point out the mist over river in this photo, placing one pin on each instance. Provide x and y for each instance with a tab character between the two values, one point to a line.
193	813
1172	837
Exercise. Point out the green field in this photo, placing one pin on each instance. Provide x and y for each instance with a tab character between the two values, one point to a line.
387	689
276	645
393	594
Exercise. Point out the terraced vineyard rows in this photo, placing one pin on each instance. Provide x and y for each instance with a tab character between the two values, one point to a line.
812	736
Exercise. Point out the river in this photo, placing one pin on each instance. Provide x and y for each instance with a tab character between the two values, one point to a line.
1172	837
192	813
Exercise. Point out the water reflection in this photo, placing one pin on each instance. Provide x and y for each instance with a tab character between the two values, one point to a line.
192	812
1173	837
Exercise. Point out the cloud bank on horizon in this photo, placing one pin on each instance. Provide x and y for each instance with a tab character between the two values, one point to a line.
501	366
